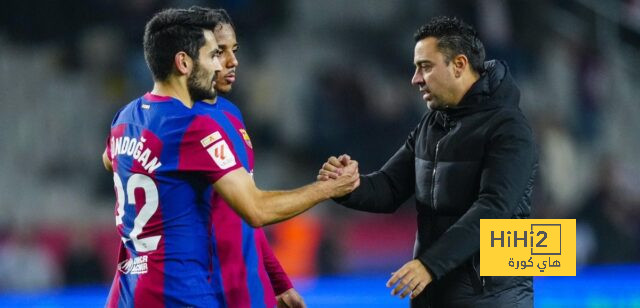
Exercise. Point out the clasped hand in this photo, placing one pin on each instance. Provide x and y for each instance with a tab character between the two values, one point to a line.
342	169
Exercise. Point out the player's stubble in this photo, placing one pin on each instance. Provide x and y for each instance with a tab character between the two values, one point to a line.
200	84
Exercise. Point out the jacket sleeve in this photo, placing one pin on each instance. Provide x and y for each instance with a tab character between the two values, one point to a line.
508	165
385	190
279	280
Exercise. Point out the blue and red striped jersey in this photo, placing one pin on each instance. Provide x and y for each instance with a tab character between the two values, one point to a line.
240	250
165	157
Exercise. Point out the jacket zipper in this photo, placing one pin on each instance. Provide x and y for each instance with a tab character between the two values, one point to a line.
435	165
433	176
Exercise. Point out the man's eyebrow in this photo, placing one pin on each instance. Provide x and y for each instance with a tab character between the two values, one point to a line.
423	61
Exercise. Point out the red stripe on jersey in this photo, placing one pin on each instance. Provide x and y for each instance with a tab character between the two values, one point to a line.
150	286
152	98
114	293
269	294
116	133
198	150
227	232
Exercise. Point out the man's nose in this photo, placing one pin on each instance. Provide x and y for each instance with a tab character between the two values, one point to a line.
233	62
216	65
417	78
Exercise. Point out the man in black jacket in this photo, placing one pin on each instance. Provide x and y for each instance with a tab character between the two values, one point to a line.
471	157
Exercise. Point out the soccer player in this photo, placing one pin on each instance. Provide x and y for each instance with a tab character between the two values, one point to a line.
164	158
254	280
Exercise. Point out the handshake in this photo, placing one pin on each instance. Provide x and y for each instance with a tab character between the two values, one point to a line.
340	175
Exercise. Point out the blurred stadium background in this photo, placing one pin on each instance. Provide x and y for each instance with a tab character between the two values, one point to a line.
316	78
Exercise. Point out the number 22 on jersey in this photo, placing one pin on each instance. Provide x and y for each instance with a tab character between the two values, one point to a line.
149	207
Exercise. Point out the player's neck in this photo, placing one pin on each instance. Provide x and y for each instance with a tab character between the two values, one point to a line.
173	88
211	101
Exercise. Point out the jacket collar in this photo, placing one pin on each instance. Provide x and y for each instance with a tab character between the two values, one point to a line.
494	89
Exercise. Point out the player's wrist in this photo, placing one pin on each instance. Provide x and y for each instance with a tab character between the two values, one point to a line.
324	189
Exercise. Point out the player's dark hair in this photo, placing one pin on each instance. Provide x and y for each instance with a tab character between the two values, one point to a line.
222	15
455	37
225	19
173	30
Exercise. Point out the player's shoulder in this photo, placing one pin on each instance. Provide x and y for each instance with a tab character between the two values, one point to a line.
228	106
124	114
226	103
202	123
222	110
153	111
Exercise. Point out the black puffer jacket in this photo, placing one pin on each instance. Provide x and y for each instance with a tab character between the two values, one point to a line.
474	161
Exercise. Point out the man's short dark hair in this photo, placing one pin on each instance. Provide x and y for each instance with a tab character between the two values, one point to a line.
225	19
173	30
455	37
222	15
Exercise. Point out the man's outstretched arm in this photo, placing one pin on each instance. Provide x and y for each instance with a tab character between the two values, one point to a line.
382	191
258	207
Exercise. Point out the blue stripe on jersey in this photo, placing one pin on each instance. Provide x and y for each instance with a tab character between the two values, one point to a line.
250	252
226	105
218	286
175	276
125	174
127	284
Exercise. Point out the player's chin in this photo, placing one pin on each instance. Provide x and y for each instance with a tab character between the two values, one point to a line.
223	87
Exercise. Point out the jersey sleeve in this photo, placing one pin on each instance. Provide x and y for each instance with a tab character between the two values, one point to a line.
116	132
206	148
280	282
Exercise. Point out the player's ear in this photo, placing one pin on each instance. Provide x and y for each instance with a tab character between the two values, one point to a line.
460	63
183	62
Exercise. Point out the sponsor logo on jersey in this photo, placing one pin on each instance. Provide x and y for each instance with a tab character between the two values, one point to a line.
246	138
222	155
206	141
135	266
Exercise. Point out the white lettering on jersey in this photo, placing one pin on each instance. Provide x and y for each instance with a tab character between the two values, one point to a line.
222	156
136	149
137	265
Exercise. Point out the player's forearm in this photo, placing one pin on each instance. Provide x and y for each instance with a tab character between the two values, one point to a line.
259	208
106	162
275	206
